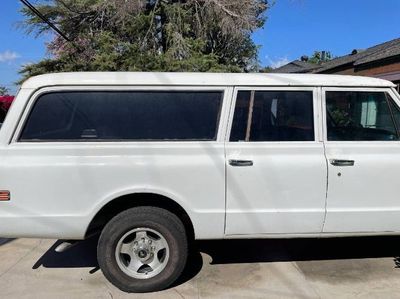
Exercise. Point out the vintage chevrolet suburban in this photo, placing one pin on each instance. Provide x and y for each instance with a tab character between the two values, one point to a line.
154	160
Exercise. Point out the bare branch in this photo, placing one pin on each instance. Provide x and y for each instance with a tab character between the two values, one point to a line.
231	13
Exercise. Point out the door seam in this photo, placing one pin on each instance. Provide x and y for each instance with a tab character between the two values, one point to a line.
322	124
228	125
326	190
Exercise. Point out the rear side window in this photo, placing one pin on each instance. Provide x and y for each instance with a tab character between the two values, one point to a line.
361	116
273	116
125	115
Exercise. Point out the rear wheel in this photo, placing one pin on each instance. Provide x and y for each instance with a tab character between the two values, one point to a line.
143	249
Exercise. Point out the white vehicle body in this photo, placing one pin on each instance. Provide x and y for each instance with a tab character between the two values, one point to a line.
291	190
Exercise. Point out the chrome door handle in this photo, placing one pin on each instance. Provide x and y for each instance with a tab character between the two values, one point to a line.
241	162
337	162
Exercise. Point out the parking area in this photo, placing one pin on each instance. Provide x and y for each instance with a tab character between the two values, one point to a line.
301	268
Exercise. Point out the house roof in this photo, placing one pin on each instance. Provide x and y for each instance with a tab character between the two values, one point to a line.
197	79
391	51
356	58
296	66
378	52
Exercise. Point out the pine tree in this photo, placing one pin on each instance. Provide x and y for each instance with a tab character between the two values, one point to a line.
148	35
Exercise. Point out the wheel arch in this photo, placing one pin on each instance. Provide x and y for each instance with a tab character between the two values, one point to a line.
136	199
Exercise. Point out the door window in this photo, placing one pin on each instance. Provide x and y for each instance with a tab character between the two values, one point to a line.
273	116
363	116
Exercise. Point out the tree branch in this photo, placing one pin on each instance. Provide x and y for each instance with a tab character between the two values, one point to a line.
227	11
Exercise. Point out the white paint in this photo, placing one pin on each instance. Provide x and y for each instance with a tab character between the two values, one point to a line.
365	197
201	79
57	188
284	191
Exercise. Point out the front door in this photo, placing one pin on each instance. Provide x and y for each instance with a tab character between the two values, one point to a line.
276	168
363	155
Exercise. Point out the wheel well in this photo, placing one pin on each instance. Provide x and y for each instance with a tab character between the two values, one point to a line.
119	204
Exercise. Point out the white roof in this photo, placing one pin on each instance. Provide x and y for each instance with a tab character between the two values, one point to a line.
201	79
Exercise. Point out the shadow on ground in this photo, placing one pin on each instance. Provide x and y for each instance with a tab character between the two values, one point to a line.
83	253
274	250
4	241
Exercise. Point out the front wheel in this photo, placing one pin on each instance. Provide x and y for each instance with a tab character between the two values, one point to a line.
143	249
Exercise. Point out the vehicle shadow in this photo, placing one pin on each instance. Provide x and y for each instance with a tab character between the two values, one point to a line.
292	250
83	253
4	241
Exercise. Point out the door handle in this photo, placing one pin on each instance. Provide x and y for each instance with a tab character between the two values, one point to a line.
241	162
338	162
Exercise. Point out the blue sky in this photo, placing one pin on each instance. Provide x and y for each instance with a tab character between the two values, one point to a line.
298	27
293	28
16	48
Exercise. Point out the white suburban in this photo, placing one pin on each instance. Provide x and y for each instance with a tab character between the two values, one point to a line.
155	160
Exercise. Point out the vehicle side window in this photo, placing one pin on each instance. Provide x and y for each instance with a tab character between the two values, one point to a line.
273	116
124	115
356	115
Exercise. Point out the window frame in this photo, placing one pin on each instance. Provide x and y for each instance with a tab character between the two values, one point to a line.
316	112
386	90
15	138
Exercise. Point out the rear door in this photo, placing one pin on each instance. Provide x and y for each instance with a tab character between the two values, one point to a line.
276	168
363	154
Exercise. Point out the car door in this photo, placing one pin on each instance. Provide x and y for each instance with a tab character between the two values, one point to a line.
276	168
363	154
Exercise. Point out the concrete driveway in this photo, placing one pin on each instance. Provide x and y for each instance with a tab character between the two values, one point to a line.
302	268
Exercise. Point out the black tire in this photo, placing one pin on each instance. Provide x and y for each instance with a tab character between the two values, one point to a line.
160	220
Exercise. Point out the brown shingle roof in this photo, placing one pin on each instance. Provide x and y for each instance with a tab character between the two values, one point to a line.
381	51
391	51
358	57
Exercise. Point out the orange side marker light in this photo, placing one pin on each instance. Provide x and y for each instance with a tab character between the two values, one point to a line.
4	195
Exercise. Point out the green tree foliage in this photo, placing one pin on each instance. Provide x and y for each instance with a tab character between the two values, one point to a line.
3	91
320	57
148	35
266	69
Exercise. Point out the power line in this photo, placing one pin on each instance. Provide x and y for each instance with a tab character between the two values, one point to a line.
44	19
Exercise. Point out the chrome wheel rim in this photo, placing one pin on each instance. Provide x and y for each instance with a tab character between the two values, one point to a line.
142	253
